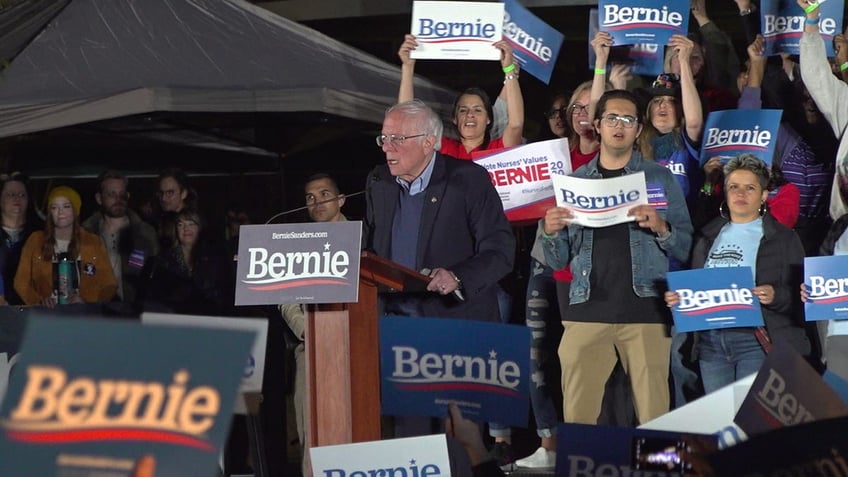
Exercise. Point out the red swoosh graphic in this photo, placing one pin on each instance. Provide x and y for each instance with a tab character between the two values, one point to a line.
457	386
718	308
119	434
299	283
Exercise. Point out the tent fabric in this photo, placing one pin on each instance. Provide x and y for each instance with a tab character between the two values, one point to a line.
102	59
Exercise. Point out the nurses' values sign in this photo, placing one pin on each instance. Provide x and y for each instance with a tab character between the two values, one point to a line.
733	132
826	279
425	363
522	176
457	30
783	24
643	21
714	298
600	202
534	43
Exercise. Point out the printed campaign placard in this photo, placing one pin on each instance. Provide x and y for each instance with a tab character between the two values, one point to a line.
817	448
411	456
644	59
522	176
425	363
254	364
733	132
713	298
314	262
588	450
643	21
535	44
93	397
600	202
457	30
826	279
786	392
783	24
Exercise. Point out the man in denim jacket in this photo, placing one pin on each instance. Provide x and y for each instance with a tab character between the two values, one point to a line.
616	309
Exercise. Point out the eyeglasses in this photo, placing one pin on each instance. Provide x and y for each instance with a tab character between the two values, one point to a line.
394	139
578	108
613	120
15	195
557	112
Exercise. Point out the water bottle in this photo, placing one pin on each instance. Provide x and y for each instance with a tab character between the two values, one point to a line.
64	287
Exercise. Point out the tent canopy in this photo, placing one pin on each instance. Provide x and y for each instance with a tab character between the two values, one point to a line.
224	68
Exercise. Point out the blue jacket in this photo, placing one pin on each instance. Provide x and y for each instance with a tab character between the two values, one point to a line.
648	252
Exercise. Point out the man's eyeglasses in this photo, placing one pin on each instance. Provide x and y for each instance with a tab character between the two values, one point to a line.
394	139
613	120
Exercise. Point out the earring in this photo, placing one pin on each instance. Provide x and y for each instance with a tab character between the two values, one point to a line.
721	211
763	208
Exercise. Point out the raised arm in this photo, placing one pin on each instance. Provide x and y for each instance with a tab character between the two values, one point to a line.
511	93
693	113
601	45
407	69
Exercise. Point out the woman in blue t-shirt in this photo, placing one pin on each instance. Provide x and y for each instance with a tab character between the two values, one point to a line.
746	234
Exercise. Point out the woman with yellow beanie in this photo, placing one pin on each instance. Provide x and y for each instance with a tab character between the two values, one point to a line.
64	264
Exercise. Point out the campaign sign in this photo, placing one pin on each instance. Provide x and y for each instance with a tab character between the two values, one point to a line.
643	21
411	456
826	280
713	298
12	326
535	44
254	363
786	392
783	25
522	176
815	448
587	450
457	30
314	262
644	59
425	363
600	202
92	397
732	132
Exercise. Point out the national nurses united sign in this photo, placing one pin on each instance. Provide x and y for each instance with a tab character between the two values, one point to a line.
298	263
737	131
643	21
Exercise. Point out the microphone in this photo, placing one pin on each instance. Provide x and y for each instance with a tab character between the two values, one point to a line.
291	211
456	293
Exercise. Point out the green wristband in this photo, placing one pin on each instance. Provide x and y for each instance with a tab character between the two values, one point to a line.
811	8
843	66
509	68
600	71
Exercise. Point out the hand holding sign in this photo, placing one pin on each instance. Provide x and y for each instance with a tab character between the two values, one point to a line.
648	218
765	293
683	46
557	218
601	46
507	57
406	48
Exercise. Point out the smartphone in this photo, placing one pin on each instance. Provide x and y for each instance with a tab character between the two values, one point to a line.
658	453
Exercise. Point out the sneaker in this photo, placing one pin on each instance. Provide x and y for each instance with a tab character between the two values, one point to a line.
541	459
502	453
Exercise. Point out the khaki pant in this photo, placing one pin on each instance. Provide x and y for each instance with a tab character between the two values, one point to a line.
588	352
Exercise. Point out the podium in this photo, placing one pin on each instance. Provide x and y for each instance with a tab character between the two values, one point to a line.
343	357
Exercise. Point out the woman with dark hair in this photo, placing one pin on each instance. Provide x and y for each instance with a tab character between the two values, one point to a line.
19	221
472	109
776	256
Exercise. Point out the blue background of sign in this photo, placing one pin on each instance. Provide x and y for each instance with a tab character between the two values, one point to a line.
641	62
789	42
642	32
126	350
713	279
835	266
456	337
767	119
535	28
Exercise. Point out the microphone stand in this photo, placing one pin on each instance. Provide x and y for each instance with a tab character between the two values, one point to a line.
291	211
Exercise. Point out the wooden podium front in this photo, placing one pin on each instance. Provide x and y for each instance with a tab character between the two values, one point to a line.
343	357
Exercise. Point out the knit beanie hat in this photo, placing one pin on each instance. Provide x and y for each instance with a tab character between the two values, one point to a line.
68	193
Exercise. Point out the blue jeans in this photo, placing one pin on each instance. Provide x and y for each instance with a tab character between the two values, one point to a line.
728	355
497	429
685	384
542	307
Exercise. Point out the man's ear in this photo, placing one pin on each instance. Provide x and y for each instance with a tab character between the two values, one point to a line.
341	200
98	199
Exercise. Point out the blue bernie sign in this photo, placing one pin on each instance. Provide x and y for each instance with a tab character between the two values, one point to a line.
535	44
733	132
783	25
425	363
713	298
826	279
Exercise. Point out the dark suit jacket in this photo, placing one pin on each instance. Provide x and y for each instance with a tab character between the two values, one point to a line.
463	229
